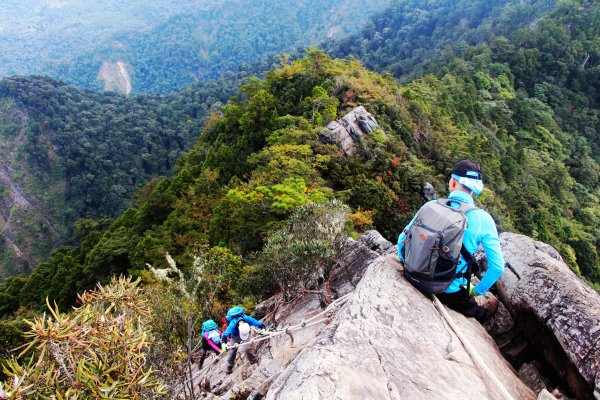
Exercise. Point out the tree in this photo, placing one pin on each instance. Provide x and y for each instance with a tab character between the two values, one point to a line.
303	252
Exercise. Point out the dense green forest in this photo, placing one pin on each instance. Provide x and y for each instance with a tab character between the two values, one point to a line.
75	154
209	40
200	40
263	157
524	104
553	64
553	59
415	37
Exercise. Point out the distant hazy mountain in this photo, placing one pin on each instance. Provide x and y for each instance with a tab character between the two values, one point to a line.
34	33
163	45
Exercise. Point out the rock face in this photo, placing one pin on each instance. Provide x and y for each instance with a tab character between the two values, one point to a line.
27	224
351	266
558	312
387	341
429	192
347	131
115	77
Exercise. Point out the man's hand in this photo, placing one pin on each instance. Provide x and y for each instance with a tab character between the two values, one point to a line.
223	348
264	332
472	291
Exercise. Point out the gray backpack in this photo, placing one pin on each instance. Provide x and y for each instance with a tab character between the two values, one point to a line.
433	246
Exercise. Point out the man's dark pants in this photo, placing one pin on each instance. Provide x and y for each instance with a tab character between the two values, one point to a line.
248	349
463	303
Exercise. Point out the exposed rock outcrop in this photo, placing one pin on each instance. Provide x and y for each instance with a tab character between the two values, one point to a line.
348	130
429	192
27	225
387	342
115	77
558	312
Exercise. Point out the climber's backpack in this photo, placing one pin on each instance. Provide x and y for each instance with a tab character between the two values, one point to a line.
433	244
210	330
234	312
209	325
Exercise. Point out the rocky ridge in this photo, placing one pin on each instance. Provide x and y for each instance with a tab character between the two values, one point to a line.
387	342
556	310
348	131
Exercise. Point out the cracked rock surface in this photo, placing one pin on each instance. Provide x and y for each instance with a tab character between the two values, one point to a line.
559	313
349	130
388	341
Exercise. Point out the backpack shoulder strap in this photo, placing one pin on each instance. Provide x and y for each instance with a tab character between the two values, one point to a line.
466	255
466	207
462	206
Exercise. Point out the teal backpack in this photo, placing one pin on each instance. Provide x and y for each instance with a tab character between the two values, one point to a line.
210	331
208	326
235	312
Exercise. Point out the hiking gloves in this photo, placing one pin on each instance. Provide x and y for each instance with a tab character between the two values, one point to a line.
472	291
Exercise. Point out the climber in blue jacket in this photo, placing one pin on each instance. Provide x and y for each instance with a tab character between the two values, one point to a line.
238	331
465	182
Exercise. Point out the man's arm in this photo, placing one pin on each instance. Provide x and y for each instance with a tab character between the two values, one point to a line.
229	330
491	245
253	321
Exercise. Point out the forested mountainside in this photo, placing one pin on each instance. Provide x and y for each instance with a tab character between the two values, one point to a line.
552	62
69	154
415	37
90	179
90	138
266	155
35	33
206	43
551	48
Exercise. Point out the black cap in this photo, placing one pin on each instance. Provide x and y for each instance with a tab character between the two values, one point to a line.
466	165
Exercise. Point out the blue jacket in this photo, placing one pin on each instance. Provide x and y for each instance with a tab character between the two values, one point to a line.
232	328
481	231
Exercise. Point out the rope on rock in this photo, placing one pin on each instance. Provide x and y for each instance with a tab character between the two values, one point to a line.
304	324
471	350
288	329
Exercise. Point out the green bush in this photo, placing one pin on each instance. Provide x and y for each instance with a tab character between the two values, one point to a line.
302	253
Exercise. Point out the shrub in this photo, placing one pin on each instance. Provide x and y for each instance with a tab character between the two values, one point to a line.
302	252
97	351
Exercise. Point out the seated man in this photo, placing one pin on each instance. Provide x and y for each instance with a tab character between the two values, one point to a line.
466	181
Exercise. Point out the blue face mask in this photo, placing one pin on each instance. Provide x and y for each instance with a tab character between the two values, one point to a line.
473	183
